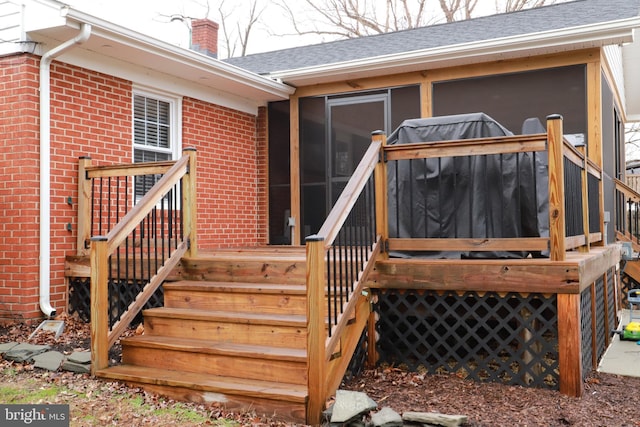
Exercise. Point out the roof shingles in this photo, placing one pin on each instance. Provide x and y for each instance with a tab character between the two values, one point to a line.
548	18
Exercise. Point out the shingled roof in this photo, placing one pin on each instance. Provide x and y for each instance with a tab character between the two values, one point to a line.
531	21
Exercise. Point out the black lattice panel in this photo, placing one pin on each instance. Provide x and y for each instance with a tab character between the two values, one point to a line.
585	327
121	295
80	297
601	325
510	338
611	300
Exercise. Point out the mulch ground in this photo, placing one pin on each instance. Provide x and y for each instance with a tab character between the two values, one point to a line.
609	400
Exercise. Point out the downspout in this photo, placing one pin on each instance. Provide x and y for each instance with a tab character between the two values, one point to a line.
45	165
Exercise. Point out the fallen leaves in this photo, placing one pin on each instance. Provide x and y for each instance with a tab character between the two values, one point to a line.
609	400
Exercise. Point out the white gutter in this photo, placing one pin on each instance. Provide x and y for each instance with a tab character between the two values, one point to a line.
45	165
617	32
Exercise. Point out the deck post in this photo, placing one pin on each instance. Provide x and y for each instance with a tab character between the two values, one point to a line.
189	203
382	223
316	329
84	207
557	230
99	303
382	230
570	345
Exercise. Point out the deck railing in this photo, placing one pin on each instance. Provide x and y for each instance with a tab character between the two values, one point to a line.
572	222
134	244
339	258
567	196
627	209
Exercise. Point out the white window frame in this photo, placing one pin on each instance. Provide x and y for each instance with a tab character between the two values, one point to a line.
175	127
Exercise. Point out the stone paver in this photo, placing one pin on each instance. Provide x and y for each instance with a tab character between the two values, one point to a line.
24	352
43	357
50	360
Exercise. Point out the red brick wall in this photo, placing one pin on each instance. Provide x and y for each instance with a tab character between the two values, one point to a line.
263	176
228	212
204	36
91	116
19	203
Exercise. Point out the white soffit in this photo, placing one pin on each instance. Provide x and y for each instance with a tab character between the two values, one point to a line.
132	56
631	67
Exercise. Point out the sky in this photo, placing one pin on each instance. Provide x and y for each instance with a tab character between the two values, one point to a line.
153	17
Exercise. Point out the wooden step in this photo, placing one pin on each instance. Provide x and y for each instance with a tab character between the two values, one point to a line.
275	330
286	365
236	296
257	266
284	401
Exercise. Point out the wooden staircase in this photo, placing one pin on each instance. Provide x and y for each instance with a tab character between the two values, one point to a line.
233	330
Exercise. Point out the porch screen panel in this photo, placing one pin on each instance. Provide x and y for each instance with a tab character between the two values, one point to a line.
279	173
405	104
512	98
313	163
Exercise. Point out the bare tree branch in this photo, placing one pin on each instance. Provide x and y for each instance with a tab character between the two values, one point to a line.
357	18
516	5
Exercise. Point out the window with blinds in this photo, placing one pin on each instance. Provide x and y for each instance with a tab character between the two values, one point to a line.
152	136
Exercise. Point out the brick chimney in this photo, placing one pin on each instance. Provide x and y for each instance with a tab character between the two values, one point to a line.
204	37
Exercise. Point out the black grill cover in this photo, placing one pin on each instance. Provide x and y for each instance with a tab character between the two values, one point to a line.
488	196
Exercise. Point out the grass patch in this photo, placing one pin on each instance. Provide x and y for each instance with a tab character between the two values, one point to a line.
28	392
95	406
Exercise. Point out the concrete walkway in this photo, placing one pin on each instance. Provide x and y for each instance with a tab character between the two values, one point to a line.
622	357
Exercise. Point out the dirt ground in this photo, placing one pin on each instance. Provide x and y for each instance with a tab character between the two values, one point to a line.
609	400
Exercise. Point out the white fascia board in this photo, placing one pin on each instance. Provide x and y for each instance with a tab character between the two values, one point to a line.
503	48
41	14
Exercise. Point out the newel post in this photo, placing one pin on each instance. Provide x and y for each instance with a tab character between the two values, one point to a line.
382	222
84	207
382	230
190	203
557	230
316	330
99	303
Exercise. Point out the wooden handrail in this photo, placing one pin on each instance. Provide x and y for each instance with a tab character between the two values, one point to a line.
336	218
149	201
133	169
467	147
104	246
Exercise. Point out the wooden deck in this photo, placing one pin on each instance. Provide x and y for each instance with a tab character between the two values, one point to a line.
236	329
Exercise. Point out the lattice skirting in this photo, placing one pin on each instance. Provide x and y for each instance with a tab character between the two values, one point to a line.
511	339
597	325
121	295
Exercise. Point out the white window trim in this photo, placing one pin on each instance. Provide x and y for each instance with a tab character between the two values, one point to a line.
175	119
